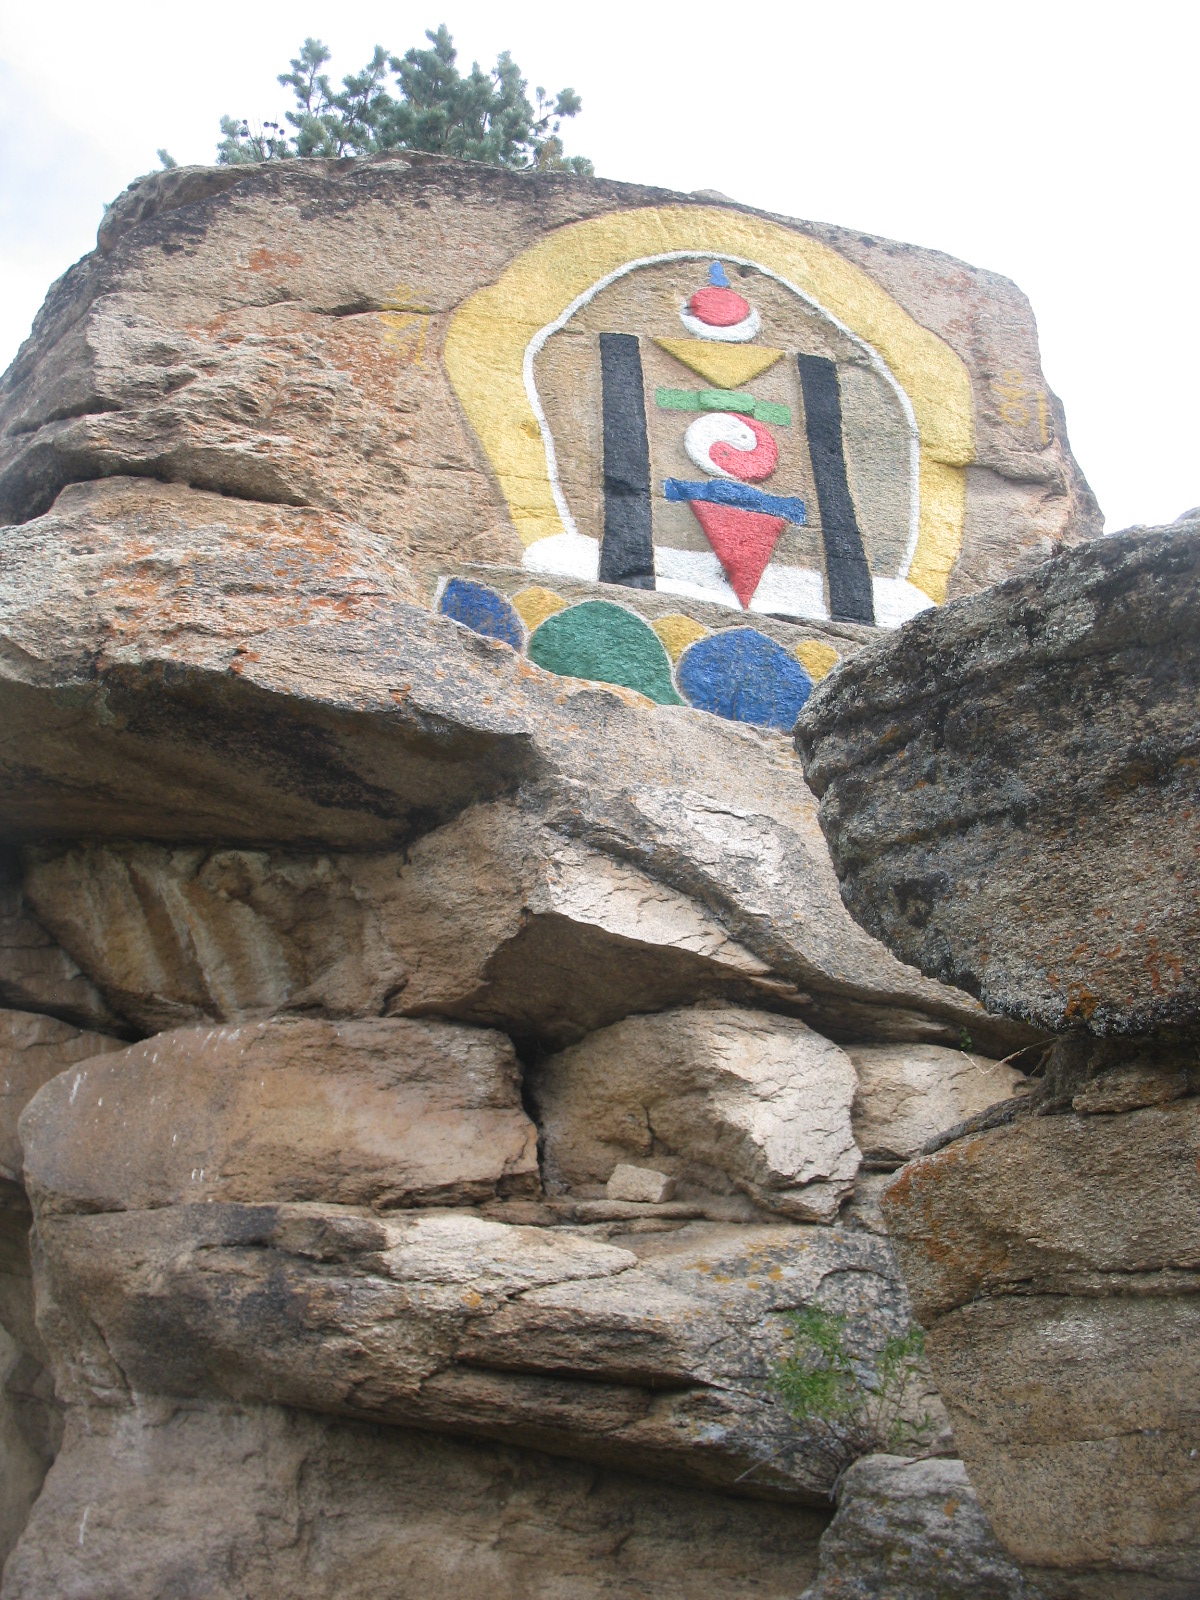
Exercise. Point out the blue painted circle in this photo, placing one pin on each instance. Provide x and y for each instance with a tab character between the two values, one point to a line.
483	610
741	674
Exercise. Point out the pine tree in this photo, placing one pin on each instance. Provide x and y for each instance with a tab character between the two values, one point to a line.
478	117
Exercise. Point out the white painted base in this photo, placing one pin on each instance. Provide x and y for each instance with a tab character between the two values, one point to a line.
565	555
897	601
698	575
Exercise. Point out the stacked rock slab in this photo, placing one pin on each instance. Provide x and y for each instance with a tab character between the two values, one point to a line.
439	1058
1010	792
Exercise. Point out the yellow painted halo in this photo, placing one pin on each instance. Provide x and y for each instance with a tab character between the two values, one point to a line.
488	337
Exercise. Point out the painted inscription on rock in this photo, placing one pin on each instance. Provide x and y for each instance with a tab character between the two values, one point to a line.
713	406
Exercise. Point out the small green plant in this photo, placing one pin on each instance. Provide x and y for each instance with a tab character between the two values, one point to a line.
965	1042
849	1405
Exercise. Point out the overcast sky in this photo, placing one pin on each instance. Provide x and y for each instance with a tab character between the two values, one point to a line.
1056	143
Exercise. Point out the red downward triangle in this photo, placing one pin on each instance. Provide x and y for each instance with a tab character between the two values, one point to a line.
743	541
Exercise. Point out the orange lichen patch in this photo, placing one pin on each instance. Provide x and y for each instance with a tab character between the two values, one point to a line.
817	658
1081	1002
951	1506
258	569
915	1206
1162	965
264	260
358	347
535	604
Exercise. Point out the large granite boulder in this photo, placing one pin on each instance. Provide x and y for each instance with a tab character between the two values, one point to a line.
1011	787
347	1217
352	338
441	1052
717	1097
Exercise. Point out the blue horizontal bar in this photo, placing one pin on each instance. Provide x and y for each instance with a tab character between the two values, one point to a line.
724	492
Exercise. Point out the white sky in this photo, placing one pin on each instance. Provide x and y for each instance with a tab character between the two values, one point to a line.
1056	143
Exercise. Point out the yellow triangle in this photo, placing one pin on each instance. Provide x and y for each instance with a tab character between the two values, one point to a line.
726	366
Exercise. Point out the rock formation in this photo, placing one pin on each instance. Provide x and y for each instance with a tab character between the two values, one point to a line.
439	1057
1010	792
912	1530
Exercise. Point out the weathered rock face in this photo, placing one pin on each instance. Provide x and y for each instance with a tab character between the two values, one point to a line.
30	1437
34	1049
1010	794
230	1213
1054	1262
716	1097
909	1094
261	1501
380	1113
1010	789
912	1530
448	1056
35	974
528	916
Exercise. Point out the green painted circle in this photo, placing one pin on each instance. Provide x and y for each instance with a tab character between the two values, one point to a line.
608	644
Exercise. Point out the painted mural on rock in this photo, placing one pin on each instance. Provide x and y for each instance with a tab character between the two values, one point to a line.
739	673
712	406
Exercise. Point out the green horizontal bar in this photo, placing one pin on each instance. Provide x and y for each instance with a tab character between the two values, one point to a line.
772	411
727	400
677	399
723	400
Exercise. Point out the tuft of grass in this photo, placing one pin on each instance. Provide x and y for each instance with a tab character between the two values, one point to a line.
850	1406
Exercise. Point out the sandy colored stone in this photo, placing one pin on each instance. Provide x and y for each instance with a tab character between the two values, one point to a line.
30	1433
908	1094
251	775
716	1096
652	1351
1054	1263
506	916
639	1184
1078	1419
253	1503
35	973
495	918
353	728
380	1113
17	1314
34	1049
1071	1204
1010	787
912	1530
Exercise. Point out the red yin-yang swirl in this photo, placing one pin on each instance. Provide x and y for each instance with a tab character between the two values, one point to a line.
752	466
718	308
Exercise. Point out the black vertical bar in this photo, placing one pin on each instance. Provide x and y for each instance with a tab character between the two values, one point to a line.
850	597
627	553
